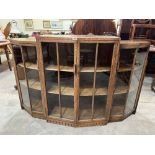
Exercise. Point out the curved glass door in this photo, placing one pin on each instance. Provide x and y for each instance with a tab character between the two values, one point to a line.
19	60
136	77
122	84
129	73
33	80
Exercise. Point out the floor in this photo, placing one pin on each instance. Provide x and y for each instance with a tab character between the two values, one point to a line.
13	120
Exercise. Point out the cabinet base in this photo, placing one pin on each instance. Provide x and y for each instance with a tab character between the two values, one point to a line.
80	123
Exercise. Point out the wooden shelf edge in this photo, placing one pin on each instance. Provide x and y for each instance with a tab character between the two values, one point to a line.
70	69
29	65
33	84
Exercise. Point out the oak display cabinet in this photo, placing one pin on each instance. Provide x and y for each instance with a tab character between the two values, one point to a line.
79	80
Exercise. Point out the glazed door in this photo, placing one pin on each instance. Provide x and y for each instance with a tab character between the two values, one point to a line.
23	87
79	79
97	68
136	79
124	71
58	60
31	68
129	77
29	81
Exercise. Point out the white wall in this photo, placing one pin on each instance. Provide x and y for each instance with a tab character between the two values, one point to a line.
37	24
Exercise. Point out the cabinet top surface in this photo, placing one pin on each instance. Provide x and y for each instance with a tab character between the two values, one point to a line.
32	40
72	37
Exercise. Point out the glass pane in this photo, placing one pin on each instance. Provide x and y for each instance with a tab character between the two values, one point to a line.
118	104
85	98
135	80
120	93
59	84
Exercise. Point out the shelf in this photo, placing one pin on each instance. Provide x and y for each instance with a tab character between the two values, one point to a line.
85	113
34	84
100	112
124	68
68	90
82	69
29	65
102	91
86	69
37	106
91	69
67	112
117	110
62	68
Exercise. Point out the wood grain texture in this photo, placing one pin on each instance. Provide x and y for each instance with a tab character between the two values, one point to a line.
54	88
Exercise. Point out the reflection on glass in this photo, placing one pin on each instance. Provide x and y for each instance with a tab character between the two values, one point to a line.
135	80
120	93
25	94
126	60
22	79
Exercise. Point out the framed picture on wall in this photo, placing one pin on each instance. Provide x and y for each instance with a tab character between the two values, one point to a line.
57	24
28	24
46	24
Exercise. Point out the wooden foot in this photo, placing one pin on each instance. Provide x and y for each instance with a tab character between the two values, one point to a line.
15	87
134	112
153	85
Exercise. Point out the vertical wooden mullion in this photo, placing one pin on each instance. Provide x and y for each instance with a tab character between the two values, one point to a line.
59	85
42	77
26	77
133	31
94	80
16	77
37	56
76	80
112	79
